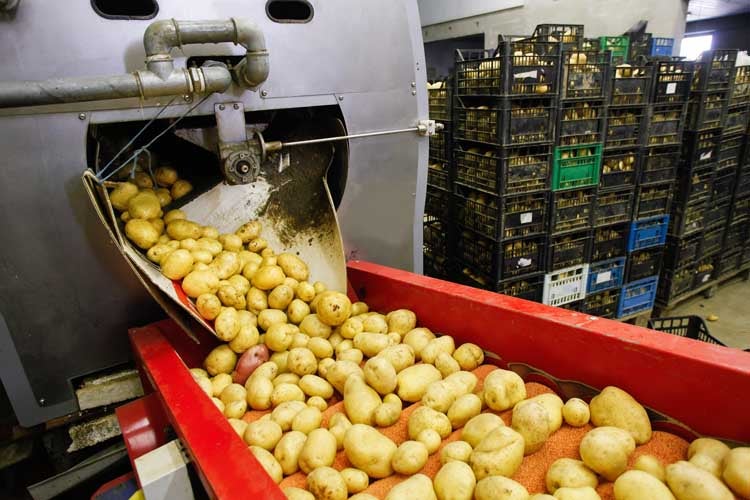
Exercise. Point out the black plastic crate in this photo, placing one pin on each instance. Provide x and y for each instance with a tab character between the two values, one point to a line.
439	102
584	74
717	213
602	304
735	237
440	145
740	209
576	306
673	283
508	171
681	252
745	255
510	123
692	327
701	148
659	164
715	69
613	207
529	287
626	127
580	122
644	263
466	276
505	217
706	110
694	184
741	88
727	263
571	210
687	219
640	46
704	270
435	265
498	260
712	240
570	35
652	200
666	123
742	187
724	184
730	151
437	203
672	81
630	86
435	235
568	250
438	176
737	119
610	242
619	168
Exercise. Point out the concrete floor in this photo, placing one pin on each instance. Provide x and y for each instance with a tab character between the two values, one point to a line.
731	304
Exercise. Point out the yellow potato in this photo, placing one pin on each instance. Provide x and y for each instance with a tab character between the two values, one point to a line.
279	336
288	450
240	283
401	321
530	420
230	242
413	381
239	426
246	318
707	463
463	409
434	347
455	480
202	256
375	323
235	409
293	266
267	461
584	493
326	483
503	389
355	480
144	205
431	439
226	264
220	360
371	343
576	412
219	404
455	450
246	337
286	392
268	277
389	412
307	420
499	488
333	308
319	450
198	283
180	188
299	339
198	373
158	225
616	408
369	451
689	482
570	473
158	252
263	433
227	324
499	453
380	375
305	291
259	392
182	229
636	485
164	196
712	448
284	413
142	180
446	364
256	300
312	385
317	402
360	401
651	465
400	356
440	395
297	310
121	195
320	347
208	244
312	325
142	233
426	418
220	382
736	471
469	356
257	245
338	425
302	361
280	297
418	486
286	378
605	450
177	264
293	493
351	328
409	458
280	360
478	427
232	392
165	176
249	231
268	317
175	214
340	371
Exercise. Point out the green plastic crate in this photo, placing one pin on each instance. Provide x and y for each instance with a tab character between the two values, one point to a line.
618	45
576	171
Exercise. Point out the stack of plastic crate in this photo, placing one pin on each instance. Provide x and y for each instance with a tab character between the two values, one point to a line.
504	113
436	227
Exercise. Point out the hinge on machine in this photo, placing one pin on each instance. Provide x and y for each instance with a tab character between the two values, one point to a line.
240	157
428	127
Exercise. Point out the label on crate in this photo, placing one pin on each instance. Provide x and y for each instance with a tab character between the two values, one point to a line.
567	290
527	217
706	155
671	88
706	278
524	262
526	74
603	277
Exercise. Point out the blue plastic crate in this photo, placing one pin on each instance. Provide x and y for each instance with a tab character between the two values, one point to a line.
662	46
637	297
605	274
648	232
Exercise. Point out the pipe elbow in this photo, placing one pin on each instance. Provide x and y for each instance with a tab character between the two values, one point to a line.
255	67
160	37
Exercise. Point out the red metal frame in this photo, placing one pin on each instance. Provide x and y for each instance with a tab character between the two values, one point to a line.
702	385
144	426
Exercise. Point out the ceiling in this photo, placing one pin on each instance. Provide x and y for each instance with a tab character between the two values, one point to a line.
704	9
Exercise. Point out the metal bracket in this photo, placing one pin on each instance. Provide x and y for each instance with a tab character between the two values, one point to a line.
428	127
240	157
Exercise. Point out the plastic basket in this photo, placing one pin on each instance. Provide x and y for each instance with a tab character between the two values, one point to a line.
435	265
717	213
644	263
510	123
568	250
571	210
437	203
704	270
440	145
438	176
576	166
741	88
584	74
727	263
510	171
626	127
672	80
681	252
707	110
565	286
730	152
712	240
694	184
659	164
439	102
529	287
570	35
602	304
640	46
715	70
661	46
673	283
666	123
701	148
619	169
652	200
735	237
435	236
617	45
610	242
687	219
500	260
580	122
692	327
740	209
637	297
630	86
646	233
613	207
605	275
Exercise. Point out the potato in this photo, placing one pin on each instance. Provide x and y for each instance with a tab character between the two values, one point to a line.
226	264
707	463
312	385
240	283
500	453
218	404
227	324
302	361
256	300
354	355
584	493
305	291
230	242
469	356
418	486
319	451
238	425
413	381
286	392
576	412
202	256
180	188
636	485
442	344
326	483
369	451
553	406
249	231
333	308
355	480
455	481
360	401
144	205
232	392
263	433
257	245
380	375
297	310
351	328
158	225
499	488
268	277
689	482
389	412
220	360
189	244
736	471
541	496
158	252
268	462
182	229
713	448
400	356
259	392
651	465
375	324
324	365
409	458
165	176
279	337
343	346
293	266
462	382
307	420
267	370
401	321
177	264
172	215
250	360
338	425
431	439
417	339
503	389
197	283
362	496
455	450
371	343
143	180
210	245
312	325
293	493
530	420
235	409
320	347
477	428
246	337
280	297
286	378
339	373
393	338
142	233
284	413
463	409
121	195
268	317
205	385
605	450
220	382
198	373
427	418
566	472
616	408
317	402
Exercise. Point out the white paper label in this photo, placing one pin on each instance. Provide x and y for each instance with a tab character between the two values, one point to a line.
527	217
707	155
526	74
603	277
671	88
523	262
567	290
706	278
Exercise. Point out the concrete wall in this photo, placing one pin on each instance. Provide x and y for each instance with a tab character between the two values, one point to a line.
665	18
730	32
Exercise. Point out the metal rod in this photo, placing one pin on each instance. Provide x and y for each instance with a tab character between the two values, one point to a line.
352	136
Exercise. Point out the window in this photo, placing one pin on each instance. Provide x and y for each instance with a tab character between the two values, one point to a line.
692	46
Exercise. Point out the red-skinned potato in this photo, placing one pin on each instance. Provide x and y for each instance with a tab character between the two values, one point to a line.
248	362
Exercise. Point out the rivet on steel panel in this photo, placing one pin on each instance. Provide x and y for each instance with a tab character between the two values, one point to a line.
81	116
264	93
